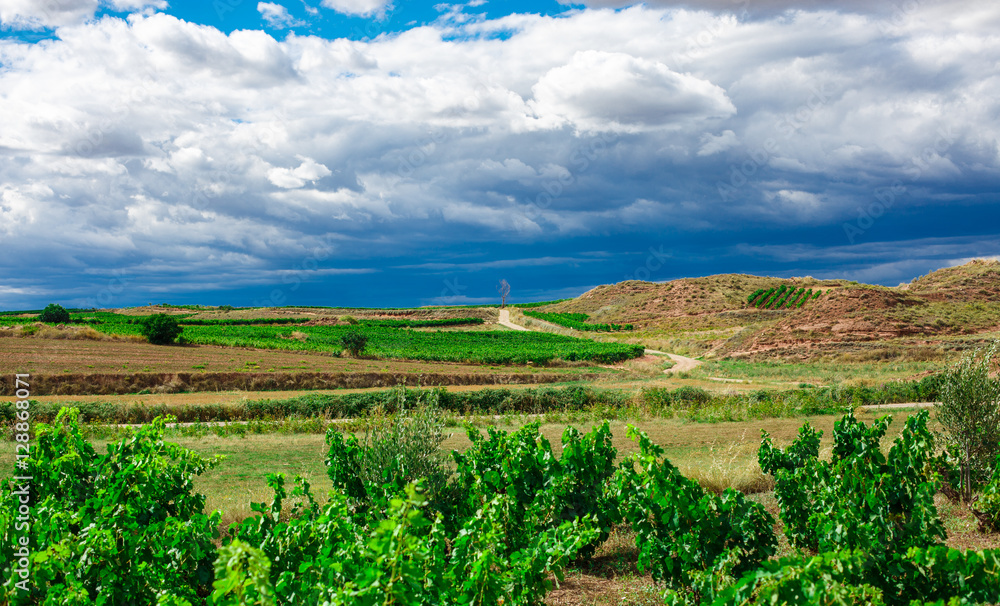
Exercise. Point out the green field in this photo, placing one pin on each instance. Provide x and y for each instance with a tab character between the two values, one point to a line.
395	341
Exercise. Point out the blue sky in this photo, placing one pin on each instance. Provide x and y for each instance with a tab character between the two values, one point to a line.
361	152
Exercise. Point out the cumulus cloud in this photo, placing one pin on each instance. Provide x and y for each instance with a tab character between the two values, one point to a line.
309	170
35	15
277	16
773	7
600	90
198	150
713	144
364	8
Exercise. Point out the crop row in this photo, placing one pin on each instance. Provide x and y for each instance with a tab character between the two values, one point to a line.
782	297
99	318
406	524
481	347
576	321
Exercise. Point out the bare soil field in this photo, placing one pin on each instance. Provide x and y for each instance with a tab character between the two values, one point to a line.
70	367
54	356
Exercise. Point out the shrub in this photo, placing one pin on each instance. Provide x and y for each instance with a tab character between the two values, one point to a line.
354	342
126	526
988	506
404	448
683	532
970	414
545	492
861	499
54	314
160	329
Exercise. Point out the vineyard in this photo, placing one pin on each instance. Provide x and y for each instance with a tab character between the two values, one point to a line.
494	525
576	321
782	297
387	339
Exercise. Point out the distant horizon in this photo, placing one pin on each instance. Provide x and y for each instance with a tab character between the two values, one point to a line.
359	152
486	302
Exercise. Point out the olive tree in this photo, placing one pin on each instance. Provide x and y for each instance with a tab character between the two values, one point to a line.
970	414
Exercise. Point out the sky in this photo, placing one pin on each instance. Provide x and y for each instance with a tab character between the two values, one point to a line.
379	153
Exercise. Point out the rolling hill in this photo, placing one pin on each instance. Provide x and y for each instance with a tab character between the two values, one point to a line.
947	310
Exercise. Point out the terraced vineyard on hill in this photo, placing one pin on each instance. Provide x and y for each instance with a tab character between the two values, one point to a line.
782	297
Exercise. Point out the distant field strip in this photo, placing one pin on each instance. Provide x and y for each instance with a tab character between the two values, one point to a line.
398	342
575	321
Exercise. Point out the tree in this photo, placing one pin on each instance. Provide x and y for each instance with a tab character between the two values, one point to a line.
504	290
161	329
354	342
970	413
54	313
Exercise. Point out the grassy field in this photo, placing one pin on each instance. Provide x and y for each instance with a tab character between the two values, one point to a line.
719	455
816	373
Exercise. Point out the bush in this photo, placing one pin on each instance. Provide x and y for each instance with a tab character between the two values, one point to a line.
682	532
54	314
160	329
861	499
354	342
970	414
546	492
126	526
403	449
988	506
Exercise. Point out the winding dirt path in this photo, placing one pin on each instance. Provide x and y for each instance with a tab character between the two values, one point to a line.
682	363
505	321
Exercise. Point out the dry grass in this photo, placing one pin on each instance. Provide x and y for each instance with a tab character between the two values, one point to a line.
733	464
39	330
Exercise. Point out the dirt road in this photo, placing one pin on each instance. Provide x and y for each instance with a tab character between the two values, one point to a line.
505	320
682	363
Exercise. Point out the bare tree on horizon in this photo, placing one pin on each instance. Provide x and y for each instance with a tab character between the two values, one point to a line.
504	290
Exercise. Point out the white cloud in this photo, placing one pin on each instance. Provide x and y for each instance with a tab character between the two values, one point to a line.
135	5
713	144
309	170
364	8
277	16
163	140
31	14
36	14
599	91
